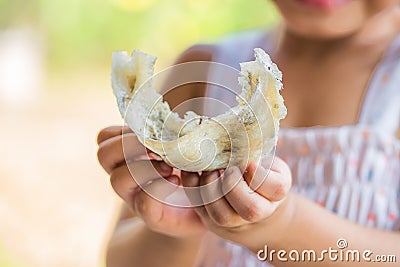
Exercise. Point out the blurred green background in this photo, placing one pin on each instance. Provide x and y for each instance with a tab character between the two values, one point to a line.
56	205
84	32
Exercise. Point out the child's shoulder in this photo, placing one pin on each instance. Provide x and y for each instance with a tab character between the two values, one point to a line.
236	47
230	43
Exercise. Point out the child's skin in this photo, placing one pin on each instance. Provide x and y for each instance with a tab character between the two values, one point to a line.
327	57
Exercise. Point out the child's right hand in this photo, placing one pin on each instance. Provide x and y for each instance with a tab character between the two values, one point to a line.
159	217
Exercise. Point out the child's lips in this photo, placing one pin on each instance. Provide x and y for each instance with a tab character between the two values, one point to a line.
324	3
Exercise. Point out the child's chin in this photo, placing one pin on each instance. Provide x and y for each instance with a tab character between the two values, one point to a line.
313	30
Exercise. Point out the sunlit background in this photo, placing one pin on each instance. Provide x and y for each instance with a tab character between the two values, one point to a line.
56	205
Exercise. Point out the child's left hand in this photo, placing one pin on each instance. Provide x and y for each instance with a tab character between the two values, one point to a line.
250	201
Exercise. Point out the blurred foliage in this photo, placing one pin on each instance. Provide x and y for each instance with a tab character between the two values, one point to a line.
8	261
85	32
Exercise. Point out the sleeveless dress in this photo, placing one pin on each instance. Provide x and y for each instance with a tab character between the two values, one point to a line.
351	170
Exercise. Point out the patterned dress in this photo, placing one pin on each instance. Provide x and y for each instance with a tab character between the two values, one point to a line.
352	170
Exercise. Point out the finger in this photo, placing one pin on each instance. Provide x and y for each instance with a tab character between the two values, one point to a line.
126	186
218	208
148	203
161	188
144	171
248	204
162	217
191	183
210	187
112	131
277	164
152	155
271	184
116	150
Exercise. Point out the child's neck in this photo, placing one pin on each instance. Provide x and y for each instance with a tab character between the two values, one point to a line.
372	40
322	75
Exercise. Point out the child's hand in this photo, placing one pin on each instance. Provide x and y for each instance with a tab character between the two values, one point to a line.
242	215
159	217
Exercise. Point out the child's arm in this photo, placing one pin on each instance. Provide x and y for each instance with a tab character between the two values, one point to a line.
304	225
134	244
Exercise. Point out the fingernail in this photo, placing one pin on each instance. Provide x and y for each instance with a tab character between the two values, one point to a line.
165	167
137	189
205	173
173	179
216	173
230	170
